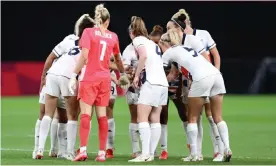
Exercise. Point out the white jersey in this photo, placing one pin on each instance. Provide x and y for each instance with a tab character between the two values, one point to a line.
129	56
188	58
155	73
191	41
205	39
65	65
65	45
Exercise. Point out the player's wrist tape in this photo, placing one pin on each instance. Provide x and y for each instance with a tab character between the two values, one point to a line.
74	75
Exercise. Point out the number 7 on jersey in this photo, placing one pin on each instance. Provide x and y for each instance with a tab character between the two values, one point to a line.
103	43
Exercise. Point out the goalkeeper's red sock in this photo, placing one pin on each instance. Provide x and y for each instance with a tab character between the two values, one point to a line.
103	131
84	130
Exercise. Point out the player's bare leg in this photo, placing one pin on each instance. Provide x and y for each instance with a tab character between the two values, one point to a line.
50	107
85	117
183	114
62	132
143	112
111	129
216	139
195	107
155	128
134	131
72	107
54	136
37	127
216	107
164	132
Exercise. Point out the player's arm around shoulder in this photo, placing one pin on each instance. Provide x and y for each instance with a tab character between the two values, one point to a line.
212	46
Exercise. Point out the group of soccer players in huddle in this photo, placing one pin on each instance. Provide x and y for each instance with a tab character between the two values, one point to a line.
153	68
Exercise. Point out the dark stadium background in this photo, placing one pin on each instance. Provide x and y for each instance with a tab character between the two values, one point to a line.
244	33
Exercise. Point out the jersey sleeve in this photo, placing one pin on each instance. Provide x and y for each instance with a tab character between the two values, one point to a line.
138	42
210	42
116	48
166	58
85	39
127	56
196	44
63	47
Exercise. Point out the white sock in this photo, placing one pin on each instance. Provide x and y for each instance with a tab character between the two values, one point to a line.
192	131
223	132
111	134
44	130
185	124
212	134
164	137
71	135
200	135
217	142
145	134
53	134
37	127
155	129
62	138
134	137
83	149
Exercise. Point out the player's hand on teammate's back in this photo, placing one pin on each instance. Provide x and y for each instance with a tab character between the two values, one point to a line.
73	83
124	81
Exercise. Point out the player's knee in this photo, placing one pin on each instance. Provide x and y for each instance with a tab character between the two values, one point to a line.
217	119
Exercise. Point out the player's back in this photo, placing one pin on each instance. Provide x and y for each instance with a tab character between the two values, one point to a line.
101	47
65	65
155	73
197	65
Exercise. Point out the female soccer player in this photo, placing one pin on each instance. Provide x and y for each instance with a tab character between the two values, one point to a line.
153	91
184	20
130	62
189	41
62	48
207	81
97	45
56	86
54	125
175	94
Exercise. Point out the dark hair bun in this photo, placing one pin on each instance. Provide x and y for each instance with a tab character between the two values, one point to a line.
182	17
157	28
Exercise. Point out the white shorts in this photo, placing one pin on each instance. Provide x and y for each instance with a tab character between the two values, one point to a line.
61	101
153	95
132	98
208	86
58	86
113	91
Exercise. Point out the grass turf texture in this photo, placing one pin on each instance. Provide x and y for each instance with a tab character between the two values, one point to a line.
251	121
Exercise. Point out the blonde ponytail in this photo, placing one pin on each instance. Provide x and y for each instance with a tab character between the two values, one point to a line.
101	14
171	37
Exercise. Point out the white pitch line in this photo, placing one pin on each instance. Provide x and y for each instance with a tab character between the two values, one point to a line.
236	157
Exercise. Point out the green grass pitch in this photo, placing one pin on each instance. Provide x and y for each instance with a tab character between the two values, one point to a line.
251	121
